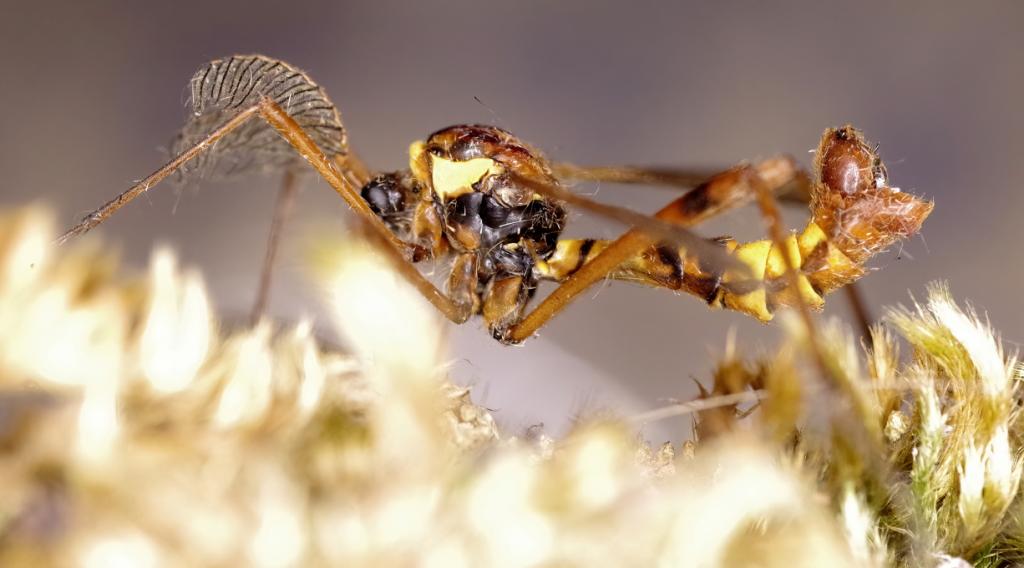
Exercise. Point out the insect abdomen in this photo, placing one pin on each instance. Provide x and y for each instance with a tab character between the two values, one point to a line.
821	268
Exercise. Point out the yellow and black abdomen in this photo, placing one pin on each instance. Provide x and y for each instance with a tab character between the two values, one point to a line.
821	267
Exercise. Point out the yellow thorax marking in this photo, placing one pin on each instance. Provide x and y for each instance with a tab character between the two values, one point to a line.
418	161
452	179
449	178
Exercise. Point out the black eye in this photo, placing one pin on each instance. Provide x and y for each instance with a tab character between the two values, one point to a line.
383	195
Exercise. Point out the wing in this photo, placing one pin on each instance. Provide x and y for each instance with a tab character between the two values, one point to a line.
795	193
713	256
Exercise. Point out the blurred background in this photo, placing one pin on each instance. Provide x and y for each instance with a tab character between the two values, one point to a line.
93	92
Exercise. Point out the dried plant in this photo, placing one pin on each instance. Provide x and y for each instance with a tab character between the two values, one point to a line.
136	431
921	460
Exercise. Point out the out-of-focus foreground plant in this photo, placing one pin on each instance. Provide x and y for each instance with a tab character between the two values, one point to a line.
134	431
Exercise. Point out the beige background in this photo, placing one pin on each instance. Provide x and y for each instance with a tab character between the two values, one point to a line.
92	91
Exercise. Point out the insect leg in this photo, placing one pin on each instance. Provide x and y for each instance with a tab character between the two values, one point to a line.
796	192
729	189
855	295
777	232
389	243
282	210
111	207
285	125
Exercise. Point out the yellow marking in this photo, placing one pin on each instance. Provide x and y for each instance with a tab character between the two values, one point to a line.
452	179
544	270
418	161
755	303
810	239
766	263
776	268
776	265
564	259
568	256
755	256
835	263
809	295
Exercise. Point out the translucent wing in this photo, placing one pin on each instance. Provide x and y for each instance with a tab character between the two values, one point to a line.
639	175
797	192
223	87
712	256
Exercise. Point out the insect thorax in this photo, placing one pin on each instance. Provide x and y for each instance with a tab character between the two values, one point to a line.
466	180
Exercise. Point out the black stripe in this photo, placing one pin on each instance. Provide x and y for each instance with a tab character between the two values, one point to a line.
712	294
286	82
221	79
288	93
272	75
239	75
584	252
697	200
209	82
295	96
670	256
199	100
312	108
274	80
258	76
817	289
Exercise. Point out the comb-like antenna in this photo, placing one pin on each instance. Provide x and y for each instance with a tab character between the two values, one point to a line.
224	86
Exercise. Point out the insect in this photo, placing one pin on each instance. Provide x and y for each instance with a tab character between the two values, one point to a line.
496	207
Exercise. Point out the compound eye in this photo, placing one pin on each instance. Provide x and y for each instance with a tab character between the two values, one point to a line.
847	165
384	195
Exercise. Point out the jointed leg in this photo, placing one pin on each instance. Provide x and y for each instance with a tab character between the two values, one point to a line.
357	174
796	192
853	420
268	110
777	232
109	208
282	210
353	168
391	245
855	295
724	191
